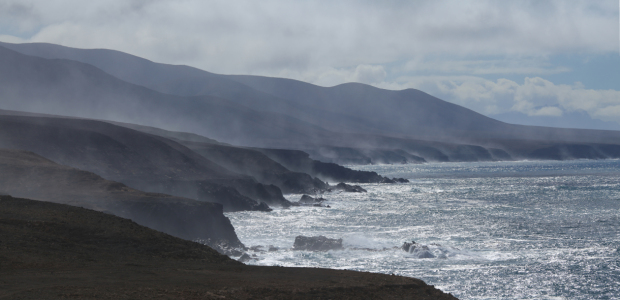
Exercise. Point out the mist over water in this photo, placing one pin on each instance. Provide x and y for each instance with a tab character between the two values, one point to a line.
510	230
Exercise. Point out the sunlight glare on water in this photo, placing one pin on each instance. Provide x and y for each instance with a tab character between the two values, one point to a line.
510	230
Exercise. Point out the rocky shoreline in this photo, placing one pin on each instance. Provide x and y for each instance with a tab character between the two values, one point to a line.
57	251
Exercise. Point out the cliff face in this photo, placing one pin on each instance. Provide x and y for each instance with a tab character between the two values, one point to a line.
25	174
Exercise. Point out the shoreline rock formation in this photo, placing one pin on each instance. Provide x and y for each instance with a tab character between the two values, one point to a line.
317	243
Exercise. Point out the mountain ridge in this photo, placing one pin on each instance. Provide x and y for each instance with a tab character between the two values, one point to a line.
331	123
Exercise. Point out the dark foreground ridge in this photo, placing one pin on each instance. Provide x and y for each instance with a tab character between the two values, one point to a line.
57	251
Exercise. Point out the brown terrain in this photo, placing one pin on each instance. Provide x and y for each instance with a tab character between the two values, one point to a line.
57	251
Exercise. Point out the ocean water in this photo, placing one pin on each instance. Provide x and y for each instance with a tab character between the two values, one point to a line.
500	230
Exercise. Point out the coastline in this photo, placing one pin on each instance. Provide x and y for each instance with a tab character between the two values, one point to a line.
57	251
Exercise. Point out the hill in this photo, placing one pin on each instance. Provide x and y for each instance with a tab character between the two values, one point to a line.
25	174
349	123
55	251
142	161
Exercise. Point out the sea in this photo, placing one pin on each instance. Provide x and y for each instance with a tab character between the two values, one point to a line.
494	230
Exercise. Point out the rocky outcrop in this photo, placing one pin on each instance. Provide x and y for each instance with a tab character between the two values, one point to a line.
316	243
395	180
417	250
309	200
306	200
347	188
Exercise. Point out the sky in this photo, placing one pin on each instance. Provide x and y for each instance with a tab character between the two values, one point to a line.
529	60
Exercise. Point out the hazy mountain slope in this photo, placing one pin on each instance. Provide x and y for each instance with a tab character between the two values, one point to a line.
346	108
261	164
71	88
402	112
140	160
366	124
358	108
254	163
188	81
416	114
25	174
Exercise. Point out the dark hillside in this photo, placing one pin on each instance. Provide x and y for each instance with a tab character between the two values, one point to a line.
25	174
55	251
256	164
65	87
140	160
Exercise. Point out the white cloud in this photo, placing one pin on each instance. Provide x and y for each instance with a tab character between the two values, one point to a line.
514	65
332	42
11	39
308	37
535	96
369	74
548	111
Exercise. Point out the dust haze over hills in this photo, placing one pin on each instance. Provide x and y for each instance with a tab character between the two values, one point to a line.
174	147
349	123
240	141
25	174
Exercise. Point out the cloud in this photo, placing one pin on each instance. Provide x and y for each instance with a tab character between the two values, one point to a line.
535	96
441	47
548	111
368	74
511	65
311	37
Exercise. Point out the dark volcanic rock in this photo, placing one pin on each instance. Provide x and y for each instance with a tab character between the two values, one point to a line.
306	200
406	246
417	250
316	243
400	180
244	258
394	180
348	188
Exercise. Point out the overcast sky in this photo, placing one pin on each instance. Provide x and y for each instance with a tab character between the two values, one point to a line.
540	58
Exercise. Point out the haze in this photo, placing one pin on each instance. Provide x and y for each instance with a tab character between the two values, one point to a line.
551	63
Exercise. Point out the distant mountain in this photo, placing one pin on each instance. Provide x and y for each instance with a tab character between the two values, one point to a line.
349	123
